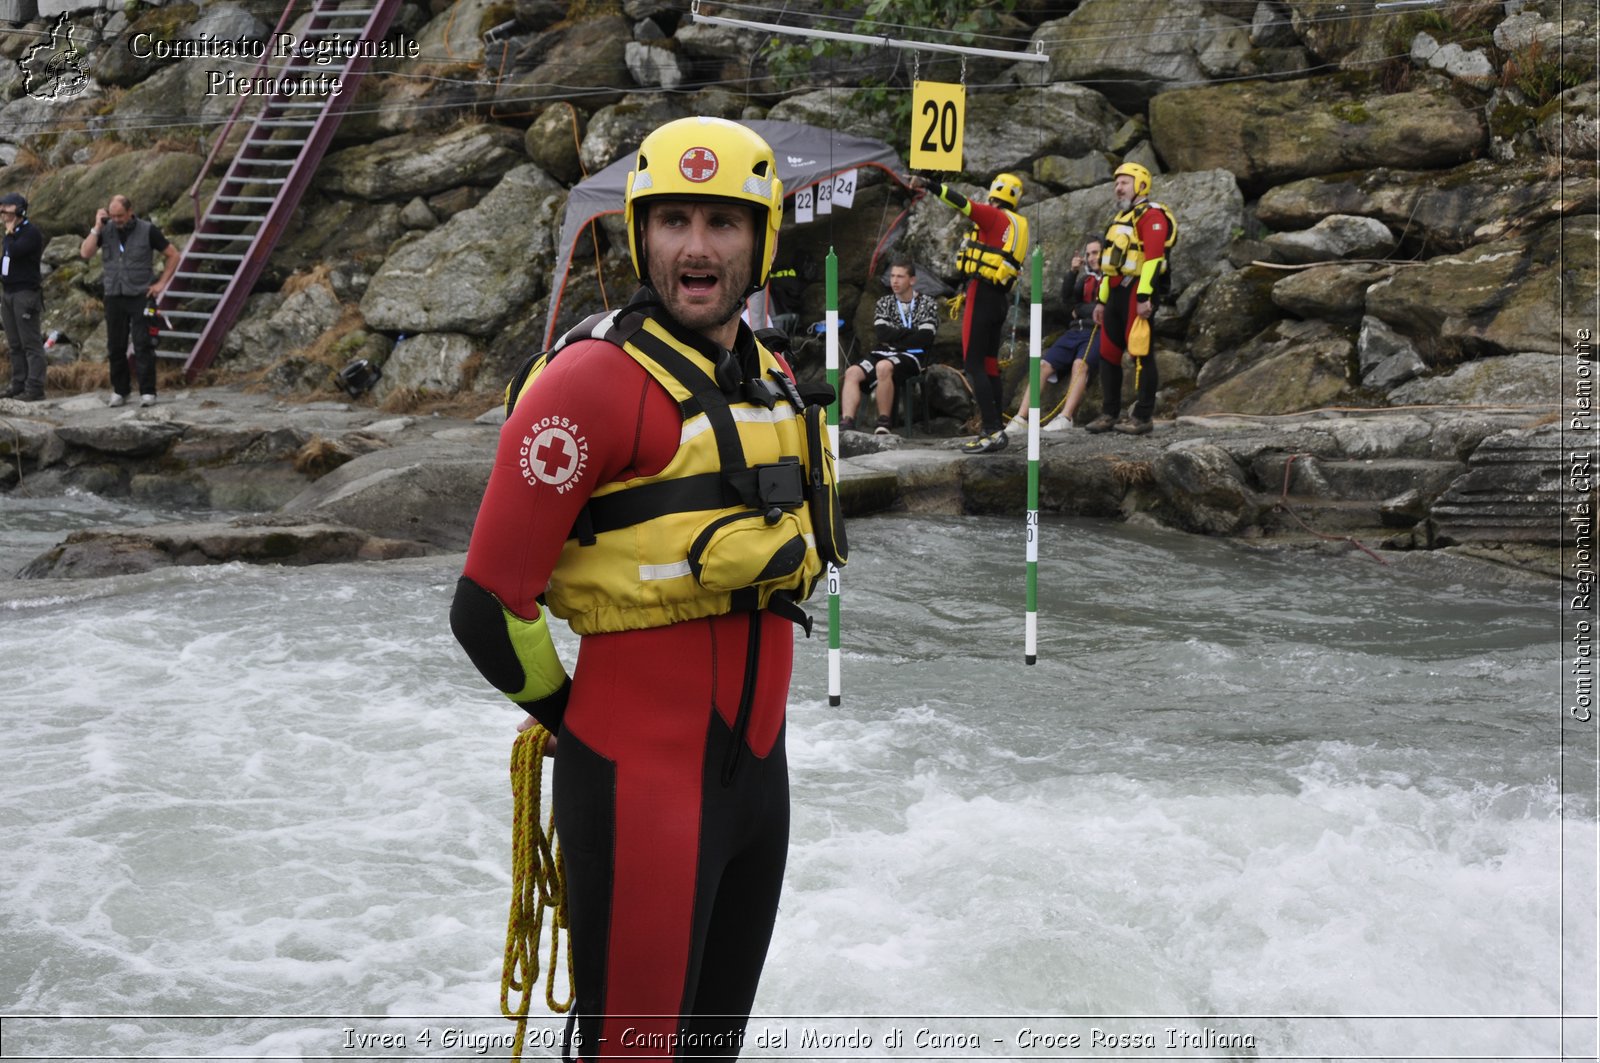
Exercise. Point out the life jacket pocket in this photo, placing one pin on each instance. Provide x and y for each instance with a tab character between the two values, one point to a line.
748	548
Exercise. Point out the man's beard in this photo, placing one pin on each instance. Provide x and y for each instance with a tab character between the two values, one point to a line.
734	284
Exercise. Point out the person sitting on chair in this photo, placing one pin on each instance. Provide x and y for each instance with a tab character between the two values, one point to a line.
903	324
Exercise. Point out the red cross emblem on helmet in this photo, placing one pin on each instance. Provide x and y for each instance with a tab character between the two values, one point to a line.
698	164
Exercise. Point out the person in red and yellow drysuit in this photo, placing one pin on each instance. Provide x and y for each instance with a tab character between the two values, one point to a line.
1134	264
652	487
991	257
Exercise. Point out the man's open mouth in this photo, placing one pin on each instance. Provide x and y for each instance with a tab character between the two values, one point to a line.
697	282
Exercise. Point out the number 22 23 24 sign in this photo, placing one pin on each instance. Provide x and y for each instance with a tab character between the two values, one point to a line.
938	112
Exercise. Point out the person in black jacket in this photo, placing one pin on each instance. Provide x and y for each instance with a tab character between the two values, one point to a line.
903	324
21	304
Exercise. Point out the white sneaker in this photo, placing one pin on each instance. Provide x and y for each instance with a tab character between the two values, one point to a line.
117	400
1060	423
147	400
1018	425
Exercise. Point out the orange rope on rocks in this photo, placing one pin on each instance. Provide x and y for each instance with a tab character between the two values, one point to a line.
1283	504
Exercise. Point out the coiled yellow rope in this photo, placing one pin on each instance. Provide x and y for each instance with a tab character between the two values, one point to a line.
537	882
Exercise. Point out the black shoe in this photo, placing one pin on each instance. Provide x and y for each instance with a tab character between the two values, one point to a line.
29	397
847	424
989	444
883	428
12	392
1100	424
1135	427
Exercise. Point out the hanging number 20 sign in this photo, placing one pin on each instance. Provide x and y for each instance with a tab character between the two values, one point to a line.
938	112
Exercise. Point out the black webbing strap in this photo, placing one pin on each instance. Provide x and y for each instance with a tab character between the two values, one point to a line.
736	484
706	396
635	505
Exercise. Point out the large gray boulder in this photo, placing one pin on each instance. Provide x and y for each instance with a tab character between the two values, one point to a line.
93	552
1386	358
1336	292
1233	308
1513	380
656	64
1571	127
1295	365
414	164
64	201
1334	237
729	56
285	323
588	56
1005	129
475	271
1203	489
347	233
434	361
1469	204
455	33
1271	132
1157	46
617	129
1335	38
1497	298
419	492
852	110
552	141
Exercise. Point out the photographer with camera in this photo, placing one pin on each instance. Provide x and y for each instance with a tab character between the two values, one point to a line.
21	304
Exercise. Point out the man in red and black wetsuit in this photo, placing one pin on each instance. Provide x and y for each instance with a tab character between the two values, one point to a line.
630	448
991	257
1134	261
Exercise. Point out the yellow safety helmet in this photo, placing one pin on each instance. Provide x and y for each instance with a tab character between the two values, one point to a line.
1007	188
1141	177
706	158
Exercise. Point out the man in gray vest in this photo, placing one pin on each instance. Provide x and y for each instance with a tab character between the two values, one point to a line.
126	244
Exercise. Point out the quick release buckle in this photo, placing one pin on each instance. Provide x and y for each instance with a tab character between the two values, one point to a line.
780	485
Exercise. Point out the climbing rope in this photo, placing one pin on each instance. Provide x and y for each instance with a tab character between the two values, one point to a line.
1014	316
537	882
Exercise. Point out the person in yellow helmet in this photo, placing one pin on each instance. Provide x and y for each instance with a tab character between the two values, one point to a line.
991	257
1133	260
655	486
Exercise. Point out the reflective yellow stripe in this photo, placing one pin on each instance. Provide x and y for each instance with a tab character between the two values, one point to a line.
699	423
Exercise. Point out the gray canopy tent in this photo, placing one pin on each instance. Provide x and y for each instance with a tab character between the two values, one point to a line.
807	155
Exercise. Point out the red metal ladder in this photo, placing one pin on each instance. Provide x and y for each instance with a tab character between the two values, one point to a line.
262	186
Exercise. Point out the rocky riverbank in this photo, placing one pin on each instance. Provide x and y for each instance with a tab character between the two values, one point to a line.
1385	286
302	483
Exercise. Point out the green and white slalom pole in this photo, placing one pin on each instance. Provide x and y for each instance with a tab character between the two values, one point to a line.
1030	649
832	363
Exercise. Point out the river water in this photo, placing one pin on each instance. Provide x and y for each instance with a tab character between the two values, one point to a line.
1246	805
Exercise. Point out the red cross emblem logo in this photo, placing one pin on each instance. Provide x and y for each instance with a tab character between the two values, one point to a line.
554	457
698	164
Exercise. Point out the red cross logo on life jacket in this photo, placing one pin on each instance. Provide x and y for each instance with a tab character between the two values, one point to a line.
698	164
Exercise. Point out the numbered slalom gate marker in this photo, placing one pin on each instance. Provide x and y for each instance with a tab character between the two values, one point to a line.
938	116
